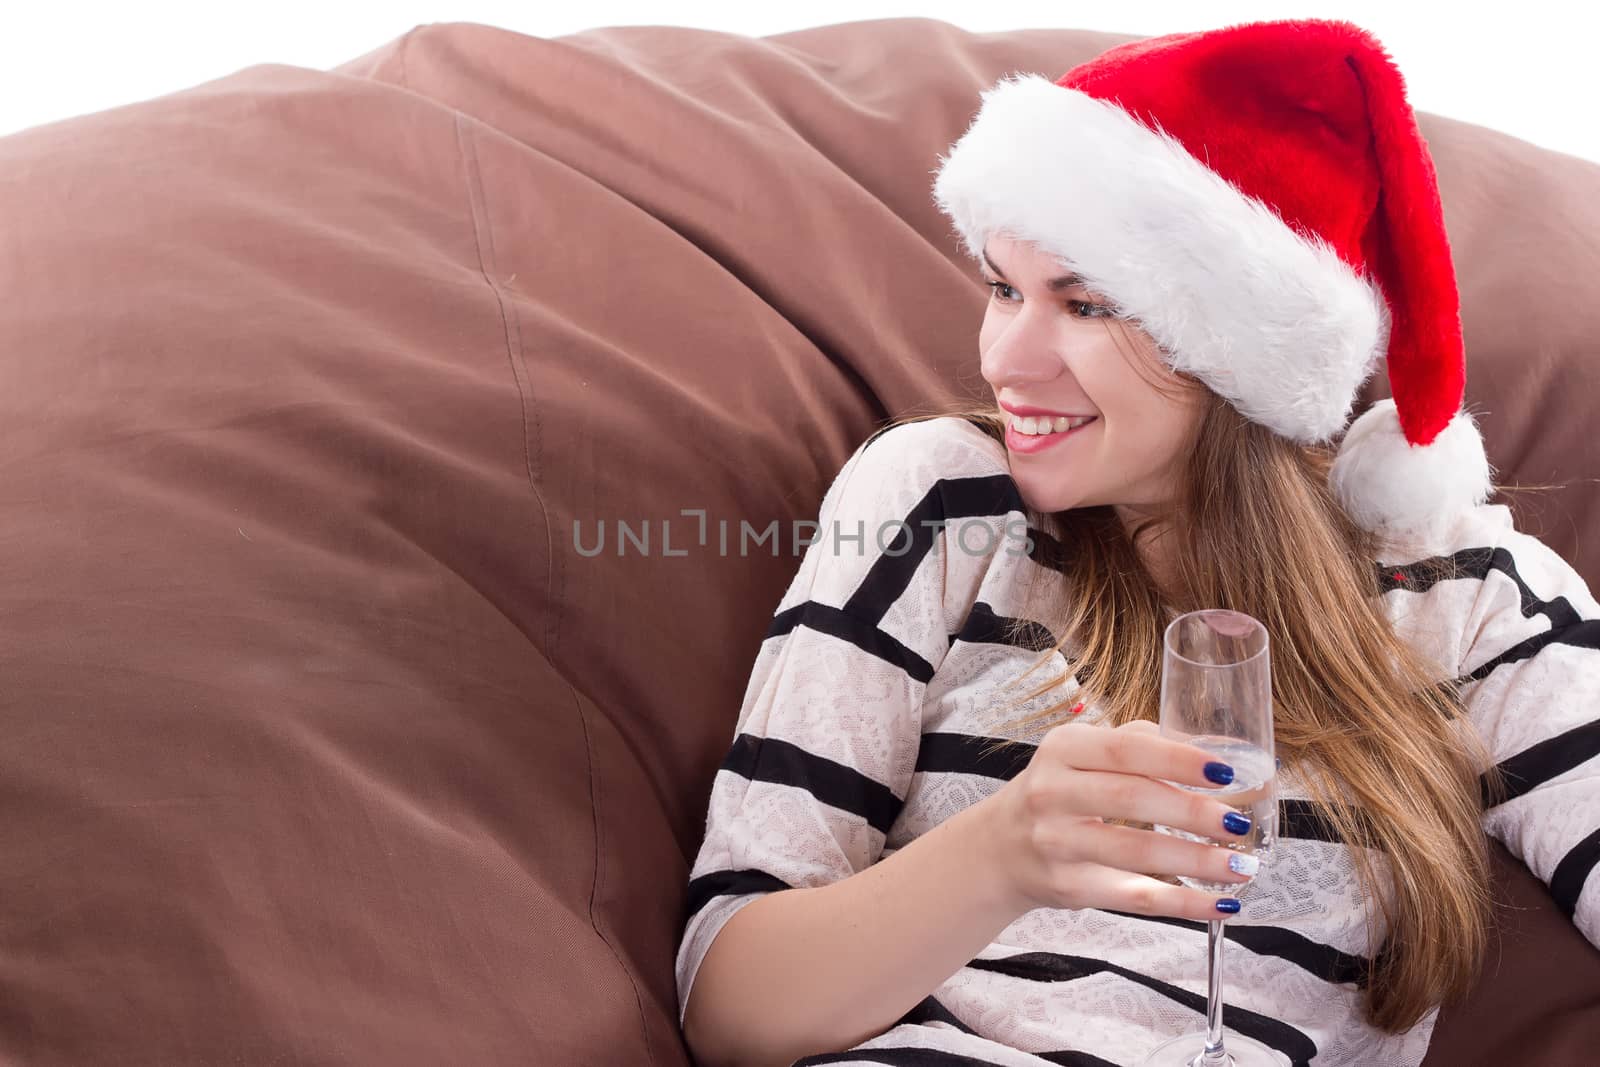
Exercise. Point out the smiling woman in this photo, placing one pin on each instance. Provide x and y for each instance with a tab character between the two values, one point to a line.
1045	356
1187	288
325	742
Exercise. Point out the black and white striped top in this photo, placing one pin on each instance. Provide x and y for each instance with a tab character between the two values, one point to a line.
878	679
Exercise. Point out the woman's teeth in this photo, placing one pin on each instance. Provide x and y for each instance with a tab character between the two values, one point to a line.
1038	426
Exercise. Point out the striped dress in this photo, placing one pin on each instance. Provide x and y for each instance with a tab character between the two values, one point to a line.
875	687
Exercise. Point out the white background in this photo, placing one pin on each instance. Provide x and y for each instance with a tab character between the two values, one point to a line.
1516	67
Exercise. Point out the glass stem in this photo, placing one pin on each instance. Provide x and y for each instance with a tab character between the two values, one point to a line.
1214	1055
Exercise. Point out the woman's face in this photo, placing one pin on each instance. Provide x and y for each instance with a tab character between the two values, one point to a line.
1049	343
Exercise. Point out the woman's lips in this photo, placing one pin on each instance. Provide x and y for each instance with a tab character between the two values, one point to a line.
1024	444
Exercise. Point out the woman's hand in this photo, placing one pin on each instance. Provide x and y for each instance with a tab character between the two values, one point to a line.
1057	850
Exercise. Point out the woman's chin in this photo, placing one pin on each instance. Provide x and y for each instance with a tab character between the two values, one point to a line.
1049	498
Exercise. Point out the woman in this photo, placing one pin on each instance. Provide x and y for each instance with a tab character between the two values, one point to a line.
1199	247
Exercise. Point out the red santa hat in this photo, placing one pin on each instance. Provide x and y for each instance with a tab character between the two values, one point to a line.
1260	201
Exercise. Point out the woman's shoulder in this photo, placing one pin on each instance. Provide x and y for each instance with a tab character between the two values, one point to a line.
1479	580
1481	539
944	445
901	464
1479	530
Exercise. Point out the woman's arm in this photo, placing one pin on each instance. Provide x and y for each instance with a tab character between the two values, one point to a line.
822	969
835	945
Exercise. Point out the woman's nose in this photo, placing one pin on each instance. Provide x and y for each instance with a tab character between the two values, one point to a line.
1017	359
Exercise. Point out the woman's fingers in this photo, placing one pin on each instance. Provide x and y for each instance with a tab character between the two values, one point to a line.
1081	775
1108	795
1142	895
1126	750
1149	852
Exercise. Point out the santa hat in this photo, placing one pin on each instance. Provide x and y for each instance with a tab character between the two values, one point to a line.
1260	201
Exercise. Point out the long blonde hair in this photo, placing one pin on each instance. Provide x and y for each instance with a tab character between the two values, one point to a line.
1375	733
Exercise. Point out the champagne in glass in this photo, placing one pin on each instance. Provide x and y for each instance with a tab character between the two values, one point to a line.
1216	694
1251	793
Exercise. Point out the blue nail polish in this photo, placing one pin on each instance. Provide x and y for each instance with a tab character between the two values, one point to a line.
1228	905
1235	823
1220	773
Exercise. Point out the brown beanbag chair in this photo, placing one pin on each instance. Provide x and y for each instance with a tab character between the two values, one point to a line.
328	735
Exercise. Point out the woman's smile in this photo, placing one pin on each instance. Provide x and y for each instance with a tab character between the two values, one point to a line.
1026	444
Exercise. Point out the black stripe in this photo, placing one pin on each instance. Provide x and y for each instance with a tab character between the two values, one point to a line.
1582	634
1072	1058
985	626
1323	961
982	496
1475	563
1567	627
768	759
1567	881
1307	820
1304	820
1424	574
1048	550
1559	611
903	1055
1421	575
930	1010
897	1057
858	632
1548	759
1057	967
728	884
956	753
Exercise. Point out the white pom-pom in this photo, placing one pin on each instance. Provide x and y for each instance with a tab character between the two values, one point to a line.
1387	484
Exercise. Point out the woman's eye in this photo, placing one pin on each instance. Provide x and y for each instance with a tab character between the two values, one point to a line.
994	290
1096	311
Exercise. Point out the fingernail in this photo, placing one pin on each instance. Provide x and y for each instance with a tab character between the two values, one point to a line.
1220	773
1229	905
1235	823
1243	863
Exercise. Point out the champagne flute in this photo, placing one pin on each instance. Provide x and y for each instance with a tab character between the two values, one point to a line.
1216	694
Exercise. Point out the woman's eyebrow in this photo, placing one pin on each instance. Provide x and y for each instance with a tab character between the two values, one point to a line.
1065	281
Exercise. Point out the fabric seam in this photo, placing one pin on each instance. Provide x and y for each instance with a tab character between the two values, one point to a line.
483	240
